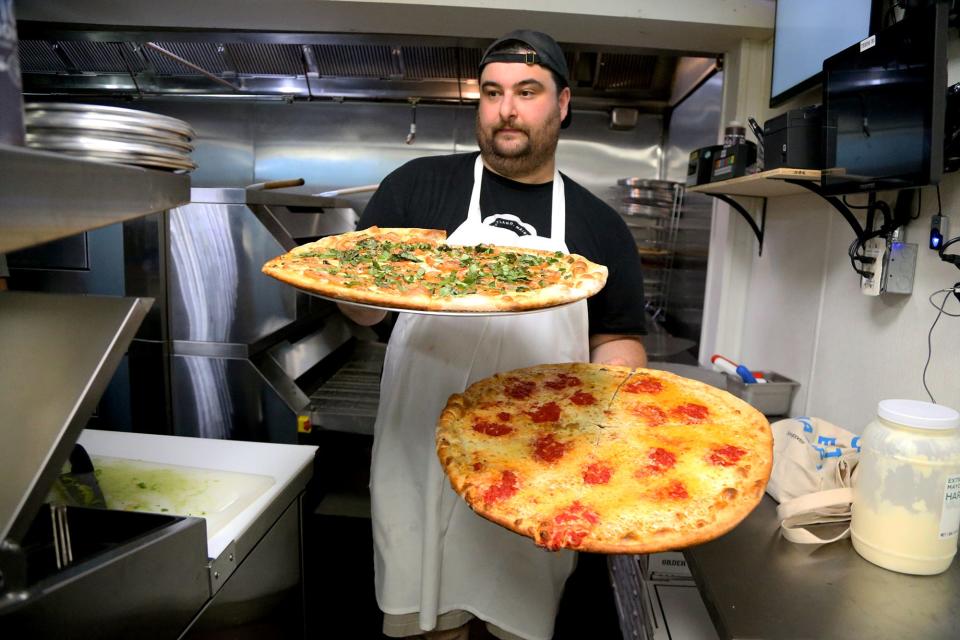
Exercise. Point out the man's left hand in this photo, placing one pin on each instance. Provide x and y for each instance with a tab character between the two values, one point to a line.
621	350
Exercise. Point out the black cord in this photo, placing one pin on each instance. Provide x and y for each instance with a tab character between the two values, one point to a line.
952	258
854	206
939	206
884	208
855	246
919	203
859	242
852	252
940	312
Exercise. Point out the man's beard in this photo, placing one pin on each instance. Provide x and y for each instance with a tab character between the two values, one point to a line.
519	162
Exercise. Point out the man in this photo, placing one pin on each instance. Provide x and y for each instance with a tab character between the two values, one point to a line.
437	563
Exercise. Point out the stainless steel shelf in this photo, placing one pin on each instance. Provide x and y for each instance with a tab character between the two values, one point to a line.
45	196
58	352
266	197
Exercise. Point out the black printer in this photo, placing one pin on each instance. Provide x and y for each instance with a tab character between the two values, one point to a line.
794	139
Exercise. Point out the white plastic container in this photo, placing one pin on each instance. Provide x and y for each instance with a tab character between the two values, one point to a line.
906	498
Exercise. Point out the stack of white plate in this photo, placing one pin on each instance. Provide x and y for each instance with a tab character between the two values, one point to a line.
110	134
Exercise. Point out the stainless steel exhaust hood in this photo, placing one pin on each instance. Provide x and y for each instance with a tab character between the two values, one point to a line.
76	61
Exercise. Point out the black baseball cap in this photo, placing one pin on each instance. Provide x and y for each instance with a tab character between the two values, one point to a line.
546	53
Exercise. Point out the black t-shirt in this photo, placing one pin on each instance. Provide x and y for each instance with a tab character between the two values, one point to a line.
434	193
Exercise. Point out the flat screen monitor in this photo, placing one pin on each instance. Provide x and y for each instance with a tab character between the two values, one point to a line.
808	31
884	101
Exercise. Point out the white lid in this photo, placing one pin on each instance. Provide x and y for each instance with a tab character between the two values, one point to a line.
915	413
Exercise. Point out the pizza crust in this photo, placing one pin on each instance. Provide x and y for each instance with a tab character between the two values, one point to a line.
627	519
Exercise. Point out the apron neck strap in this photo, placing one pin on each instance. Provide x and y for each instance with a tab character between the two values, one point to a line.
558	209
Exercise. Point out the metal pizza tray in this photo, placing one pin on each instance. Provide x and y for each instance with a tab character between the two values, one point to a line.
644	210
452	314
178	146
658	195
119	114
68	124
644	183
150	162
666	206
54	142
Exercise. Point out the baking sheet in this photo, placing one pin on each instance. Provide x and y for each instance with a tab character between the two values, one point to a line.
452	314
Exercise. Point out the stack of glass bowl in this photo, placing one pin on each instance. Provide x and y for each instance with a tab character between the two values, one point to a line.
110	134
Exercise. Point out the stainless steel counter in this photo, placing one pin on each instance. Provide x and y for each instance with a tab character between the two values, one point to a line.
757	585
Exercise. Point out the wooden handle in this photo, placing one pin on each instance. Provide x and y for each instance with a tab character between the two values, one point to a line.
276	184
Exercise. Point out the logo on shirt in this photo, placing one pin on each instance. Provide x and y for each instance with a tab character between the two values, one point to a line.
510	222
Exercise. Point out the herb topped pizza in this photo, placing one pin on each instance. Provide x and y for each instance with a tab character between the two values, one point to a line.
604	458
415	269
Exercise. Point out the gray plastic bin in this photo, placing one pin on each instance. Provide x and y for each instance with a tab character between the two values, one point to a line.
772	398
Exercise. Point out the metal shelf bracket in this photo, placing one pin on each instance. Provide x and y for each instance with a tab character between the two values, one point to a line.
736	206
836	203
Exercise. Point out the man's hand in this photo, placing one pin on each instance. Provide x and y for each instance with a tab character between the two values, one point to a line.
625	351
364	316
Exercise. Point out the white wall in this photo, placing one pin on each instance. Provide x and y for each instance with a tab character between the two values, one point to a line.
798	310
806	318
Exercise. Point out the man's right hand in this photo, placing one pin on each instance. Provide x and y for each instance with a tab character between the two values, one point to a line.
364	316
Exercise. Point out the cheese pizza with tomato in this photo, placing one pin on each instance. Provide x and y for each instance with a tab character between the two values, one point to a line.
604	458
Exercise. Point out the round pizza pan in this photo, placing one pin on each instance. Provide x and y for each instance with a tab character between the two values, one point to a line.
664	207
451	314
644	210
644	183
146	161
133	116
95	125
178	146
55	142
643	195
150	162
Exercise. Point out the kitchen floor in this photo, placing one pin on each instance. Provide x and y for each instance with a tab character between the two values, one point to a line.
338	561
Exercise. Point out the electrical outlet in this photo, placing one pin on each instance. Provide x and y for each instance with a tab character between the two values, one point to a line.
899	268
873	248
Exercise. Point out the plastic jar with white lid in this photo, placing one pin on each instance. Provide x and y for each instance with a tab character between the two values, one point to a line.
906	498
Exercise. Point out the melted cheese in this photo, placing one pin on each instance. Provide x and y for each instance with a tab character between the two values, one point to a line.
631	507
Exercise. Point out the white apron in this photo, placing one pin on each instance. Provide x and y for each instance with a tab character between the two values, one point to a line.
432	553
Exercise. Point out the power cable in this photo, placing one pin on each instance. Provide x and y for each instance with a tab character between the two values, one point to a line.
940	312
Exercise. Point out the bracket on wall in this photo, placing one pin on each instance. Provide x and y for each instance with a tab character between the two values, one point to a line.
836	203
736	206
